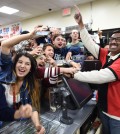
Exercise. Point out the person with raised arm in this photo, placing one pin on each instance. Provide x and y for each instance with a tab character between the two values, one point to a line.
108	77
19	84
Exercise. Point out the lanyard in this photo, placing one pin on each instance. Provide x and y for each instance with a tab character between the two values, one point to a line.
14	96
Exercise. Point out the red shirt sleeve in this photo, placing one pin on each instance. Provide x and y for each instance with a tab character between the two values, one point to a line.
47	72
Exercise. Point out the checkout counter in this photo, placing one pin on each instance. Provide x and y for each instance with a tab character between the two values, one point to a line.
82	119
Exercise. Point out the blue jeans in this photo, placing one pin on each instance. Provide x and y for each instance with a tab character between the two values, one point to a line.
109	125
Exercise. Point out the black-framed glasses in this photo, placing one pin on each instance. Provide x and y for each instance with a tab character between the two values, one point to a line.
116	39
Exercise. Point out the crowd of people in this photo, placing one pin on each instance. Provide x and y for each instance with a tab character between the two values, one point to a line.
27	59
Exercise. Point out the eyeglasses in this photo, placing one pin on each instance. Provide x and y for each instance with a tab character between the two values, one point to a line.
116	39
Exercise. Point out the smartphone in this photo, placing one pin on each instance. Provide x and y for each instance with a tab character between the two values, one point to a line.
42	33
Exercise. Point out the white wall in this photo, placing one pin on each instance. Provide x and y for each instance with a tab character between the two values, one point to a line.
105	15
55	19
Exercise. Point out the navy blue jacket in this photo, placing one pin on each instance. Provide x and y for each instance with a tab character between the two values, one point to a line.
7	76
6	113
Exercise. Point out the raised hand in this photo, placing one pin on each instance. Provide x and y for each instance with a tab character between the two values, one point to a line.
78	17
99	33
41	27
38	28
55	31
50	60
36	51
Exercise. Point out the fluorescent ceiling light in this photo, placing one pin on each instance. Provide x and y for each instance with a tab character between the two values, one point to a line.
8	10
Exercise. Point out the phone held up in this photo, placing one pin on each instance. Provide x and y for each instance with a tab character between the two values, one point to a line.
42	33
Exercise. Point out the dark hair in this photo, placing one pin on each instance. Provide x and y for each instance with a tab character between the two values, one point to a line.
55	36
46	45
32	82
40	40
30	76
24	32
116	31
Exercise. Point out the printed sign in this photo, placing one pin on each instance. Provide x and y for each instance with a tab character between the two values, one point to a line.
11	30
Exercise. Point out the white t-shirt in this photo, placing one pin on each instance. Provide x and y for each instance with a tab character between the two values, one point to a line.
9	97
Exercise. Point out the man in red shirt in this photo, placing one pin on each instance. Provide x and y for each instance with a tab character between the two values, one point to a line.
108	77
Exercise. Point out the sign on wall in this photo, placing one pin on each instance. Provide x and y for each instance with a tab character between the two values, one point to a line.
11	30
66	12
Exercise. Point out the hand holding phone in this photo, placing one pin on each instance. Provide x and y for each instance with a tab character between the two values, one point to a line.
42	33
